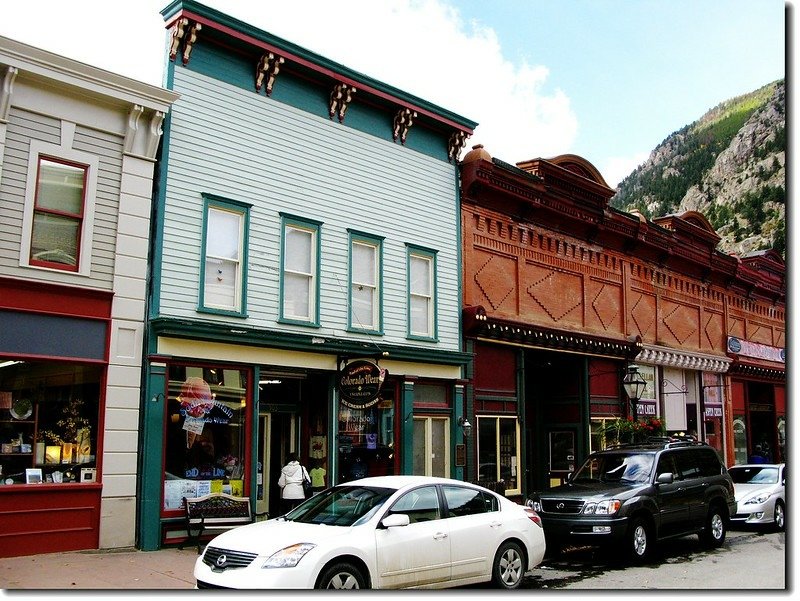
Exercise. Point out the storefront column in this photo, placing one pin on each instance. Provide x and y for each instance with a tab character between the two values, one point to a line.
407	427
152	446
459	438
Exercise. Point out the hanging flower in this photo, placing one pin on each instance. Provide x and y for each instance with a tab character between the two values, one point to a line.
626	430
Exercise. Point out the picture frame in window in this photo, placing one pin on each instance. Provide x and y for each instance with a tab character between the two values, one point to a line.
33	475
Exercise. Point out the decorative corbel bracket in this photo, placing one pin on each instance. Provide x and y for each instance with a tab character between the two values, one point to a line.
143	142
340	99
6	87
457	141
403	121
184	32
268	67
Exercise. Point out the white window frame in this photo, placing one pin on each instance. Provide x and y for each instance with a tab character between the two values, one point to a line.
376	313
43	150
291	223
420	254
241	211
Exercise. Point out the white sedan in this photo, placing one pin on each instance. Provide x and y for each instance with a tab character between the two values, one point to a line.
760	491
386	532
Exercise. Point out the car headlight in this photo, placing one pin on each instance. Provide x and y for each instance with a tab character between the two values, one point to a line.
288	557
534	504
603	507
758	499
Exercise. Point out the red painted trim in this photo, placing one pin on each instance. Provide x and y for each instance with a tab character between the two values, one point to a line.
314	67
54	299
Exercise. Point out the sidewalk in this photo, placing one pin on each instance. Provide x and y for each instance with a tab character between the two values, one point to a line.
100	569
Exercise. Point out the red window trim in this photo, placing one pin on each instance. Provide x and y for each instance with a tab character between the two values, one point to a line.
78	216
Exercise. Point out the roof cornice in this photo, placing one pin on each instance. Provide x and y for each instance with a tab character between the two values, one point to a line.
35	61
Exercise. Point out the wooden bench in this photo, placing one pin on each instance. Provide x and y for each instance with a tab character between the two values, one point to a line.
215	512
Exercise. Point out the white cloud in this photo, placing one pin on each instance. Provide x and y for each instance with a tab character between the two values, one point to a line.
615	169
423	47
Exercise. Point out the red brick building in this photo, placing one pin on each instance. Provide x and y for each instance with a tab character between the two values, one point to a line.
562	293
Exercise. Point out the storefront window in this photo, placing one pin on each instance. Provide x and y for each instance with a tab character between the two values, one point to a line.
498	451
366	438
48	422
206	445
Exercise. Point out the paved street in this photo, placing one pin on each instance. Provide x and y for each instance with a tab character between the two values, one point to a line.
748	560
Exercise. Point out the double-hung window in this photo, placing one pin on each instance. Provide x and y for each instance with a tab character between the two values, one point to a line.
58	218
421	293
58	214
365	282
300	271
224	274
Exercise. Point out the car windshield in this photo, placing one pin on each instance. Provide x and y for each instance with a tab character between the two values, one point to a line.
754	475
626	468
341	506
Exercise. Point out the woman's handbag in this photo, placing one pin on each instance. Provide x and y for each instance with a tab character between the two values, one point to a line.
306	484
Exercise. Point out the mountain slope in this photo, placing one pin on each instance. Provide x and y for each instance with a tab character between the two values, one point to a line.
729	165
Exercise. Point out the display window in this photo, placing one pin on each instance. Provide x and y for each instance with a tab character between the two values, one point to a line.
207	439
499	451
49	415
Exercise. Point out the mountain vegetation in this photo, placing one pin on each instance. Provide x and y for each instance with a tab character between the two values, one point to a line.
729	165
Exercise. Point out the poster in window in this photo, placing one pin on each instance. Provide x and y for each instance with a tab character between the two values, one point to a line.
562	451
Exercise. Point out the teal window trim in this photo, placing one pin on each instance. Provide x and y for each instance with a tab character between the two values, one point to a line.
214	202
428	254
315	229
376	242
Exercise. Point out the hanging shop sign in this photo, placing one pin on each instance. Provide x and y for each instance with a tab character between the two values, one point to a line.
756	350
360	384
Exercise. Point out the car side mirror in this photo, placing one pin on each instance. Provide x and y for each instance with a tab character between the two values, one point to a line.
396	519
665	478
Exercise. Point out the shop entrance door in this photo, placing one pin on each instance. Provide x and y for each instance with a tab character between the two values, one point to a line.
278	439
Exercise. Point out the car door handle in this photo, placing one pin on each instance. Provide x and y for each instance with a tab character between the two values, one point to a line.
439	536
495	525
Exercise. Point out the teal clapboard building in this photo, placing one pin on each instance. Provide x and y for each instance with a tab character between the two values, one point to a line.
305	285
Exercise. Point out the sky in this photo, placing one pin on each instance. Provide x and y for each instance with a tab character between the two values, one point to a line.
608	80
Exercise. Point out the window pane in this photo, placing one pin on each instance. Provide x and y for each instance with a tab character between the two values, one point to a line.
224	233
362	315
420	323
487	450
52	409
55	239
364	264
221	283
420	276
298	250
420	450
464	501
205	445
296	296
60	187
439	447
508	452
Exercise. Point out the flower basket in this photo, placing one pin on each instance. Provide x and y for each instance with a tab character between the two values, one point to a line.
628	431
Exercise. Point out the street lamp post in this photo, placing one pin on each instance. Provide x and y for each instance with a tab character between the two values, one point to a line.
634	386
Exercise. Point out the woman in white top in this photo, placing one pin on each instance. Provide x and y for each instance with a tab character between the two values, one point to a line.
291	483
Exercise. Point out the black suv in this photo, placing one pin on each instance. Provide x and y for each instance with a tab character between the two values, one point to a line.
631	496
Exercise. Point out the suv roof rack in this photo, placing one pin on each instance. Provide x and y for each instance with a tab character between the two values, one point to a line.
661	442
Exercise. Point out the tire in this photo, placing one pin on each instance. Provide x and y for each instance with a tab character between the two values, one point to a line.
780	516
509	564
713	534
639	541
342	575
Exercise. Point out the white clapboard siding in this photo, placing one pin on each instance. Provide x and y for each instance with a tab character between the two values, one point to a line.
24	126
250	148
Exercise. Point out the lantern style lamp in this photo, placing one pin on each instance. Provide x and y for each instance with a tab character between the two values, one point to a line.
634	386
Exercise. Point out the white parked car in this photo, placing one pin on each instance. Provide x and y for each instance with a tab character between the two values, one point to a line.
760	494
385	532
